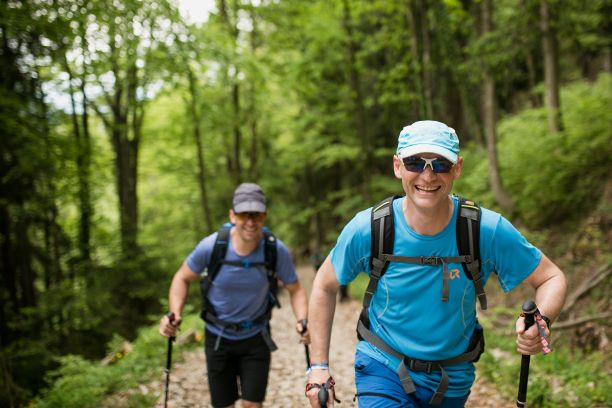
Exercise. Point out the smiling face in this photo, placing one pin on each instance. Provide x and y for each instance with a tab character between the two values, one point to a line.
248	226
427	191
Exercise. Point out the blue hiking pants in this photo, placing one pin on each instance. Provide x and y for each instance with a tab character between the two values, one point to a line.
378	386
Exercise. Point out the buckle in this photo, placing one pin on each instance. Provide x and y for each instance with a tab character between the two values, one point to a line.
429	260
246	264
419	365
246	325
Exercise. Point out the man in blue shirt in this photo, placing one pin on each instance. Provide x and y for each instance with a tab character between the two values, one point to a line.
237	338
424	313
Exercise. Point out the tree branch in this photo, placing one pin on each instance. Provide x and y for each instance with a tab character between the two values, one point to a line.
568	324
586	286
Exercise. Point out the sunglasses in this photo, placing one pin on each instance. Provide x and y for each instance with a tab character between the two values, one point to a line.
255	216
418	164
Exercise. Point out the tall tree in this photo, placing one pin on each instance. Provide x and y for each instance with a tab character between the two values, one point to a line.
489	113
125	78
356	94
548	23
231	26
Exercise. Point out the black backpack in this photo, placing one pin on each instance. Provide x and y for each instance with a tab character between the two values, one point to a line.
217	260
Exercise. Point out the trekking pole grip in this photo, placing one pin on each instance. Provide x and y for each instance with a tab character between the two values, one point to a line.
323	396
529	310
171	319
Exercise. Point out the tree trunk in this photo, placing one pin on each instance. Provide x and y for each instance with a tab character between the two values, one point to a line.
85	180
527	22
359	111
253	113
551	75
8	278
232	30
195	117
427	69
418	109
489	118
83	153
237	131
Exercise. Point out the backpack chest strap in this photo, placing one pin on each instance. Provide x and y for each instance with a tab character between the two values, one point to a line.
244	263
432	261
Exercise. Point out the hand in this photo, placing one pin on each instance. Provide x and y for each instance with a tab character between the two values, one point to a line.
319	377
301	327
528	342
169	328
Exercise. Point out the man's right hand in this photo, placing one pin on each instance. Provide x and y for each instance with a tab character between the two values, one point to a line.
168	328
319	377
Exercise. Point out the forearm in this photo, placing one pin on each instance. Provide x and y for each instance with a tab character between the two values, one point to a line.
299	304
550	296
178	291
322	307
550	287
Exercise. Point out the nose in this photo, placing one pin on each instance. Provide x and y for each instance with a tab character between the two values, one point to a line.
428	173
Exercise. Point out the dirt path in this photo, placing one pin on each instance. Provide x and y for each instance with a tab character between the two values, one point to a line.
189	387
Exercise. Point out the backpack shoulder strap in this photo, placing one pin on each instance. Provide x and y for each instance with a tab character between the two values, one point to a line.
216	262
270	249
270	257
382	230
219	251
468	243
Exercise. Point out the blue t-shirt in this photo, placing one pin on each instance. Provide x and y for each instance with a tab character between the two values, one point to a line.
407	312
240	294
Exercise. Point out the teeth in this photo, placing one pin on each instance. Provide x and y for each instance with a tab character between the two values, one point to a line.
424	188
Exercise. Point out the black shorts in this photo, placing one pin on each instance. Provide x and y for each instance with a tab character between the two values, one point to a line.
248	360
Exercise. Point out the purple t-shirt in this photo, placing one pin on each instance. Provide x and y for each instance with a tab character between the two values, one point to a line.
240	294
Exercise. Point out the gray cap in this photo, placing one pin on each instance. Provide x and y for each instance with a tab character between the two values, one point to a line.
248	197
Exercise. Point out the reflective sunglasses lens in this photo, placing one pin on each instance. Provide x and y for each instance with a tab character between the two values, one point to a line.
441	165
255	216
414	164
417	164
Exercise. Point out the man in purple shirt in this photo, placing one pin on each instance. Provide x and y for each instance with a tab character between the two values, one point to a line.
238	302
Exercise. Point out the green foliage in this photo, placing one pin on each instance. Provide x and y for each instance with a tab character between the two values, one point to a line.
554	177
82	383
308	99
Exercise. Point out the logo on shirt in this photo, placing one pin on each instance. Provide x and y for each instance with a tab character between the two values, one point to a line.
454	273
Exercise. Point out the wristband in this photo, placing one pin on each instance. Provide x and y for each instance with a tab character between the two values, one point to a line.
320	366
317	366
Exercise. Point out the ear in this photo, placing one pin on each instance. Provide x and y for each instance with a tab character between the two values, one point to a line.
232	216
457	168
397	166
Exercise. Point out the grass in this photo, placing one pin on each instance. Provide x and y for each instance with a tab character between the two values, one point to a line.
81	383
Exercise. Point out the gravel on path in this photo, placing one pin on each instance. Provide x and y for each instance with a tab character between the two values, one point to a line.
189	387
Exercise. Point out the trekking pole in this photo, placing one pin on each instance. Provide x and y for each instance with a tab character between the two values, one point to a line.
304	324
529	310
168	361
323	396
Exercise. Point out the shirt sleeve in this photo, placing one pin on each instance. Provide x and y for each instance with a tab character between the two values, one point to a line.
285	270
199	258
513	256
351	254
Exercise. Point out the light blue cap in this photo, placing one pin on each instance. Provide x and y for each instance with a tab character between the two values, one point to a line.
428	136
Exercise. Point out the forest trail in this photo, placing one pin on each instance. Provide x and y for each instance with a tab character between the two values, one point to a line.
189	387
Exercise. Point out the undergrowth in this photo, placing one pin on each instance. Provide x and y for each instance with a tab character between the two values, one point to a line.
82	383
